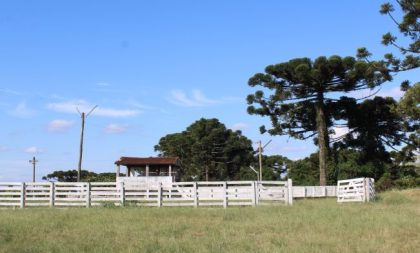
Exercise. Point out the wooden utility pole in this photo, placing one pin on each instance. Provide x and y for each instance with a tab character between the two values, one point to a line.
83	116
260	150
33	161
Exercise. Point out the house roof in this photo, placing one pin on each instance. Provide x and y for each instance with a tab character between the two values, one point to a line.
132	161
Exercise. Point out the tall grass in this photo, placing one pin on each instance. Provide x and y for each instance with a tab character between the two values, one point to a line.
392	224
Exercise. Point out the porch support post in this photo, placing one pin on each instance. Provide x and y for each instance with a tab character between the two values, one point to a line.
117	170
147	170
170	171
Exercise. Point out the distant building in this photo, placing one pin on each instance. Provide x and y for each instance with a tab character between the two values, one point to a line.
156	169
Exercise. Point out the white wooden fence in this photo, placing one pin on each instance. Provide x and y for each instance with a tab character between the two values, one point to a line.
231	193
356	190
314	191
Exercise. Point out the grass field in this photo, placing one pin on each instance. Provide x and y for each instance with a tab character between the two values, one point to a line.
392	224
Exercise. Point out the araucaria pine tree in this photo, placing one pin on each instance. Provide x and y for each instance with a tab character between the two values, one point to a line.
302	100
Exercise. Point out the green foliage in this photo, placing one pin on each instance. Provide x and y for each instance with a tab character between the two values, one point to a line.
346	164
407	182
298	103
208	151
408	106
86	176
305	171
409	27
373	125
384	183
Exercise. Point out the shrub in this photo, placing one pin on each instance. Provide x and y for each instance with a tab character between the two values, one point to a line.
384	183
407	182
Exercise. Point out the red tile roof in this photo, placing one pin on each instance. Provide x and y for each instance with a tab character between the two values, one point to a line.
148	161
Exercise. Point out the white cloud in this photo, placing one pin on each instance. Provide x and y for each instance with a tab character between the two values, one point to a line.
9	91
33	150
395	93
197	99
239	126
83	106
116	128
59	125
339	132
3	149
137	105
22	111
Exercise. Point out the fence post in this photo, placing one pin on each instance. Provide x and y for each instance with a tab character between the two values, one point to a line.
122	193
253	193
87	195
22	195
372	185
257	193
159	200
52	194
225	195
195	194
290	191
366	188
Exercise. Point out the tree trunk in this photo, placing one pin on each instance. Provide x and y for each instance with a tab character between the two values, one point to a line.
322	130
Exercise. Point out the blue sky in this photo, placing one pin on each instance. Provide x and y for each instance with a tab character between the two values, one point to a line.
153	68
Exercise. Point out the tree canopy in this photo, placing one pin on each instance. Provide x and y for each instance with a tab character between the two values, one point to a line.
208	150
86	176
301	103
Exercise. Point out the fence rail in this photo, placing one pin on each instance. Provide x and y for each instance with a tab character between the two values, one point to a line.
230	193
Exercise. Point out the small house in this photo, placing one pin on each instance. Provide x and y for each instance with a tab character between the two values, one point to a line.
156	169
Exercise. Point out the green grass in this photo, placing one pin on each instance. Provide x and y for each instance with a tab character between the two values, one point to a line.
392	224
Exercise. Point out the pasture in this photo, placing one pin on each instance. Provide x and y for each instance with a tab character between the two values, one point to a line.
391	224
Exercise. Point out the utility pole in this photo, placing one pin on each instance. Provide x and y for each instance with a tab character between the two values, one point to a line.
33	161
83	116
260	150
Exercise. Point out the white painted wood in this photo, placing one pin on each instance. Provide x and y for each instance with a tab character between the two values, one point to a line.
225	198
159	197
117	170
22	196
289	192
257	193
355	190
12	198
10	194
87	195
9	204
231	193
195	195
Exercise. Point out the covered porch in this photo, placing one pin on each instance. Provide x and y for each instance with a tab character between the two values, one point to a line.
149	167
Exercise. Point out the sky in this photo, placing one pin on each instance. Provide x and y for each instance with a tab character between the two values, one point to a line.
153	68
